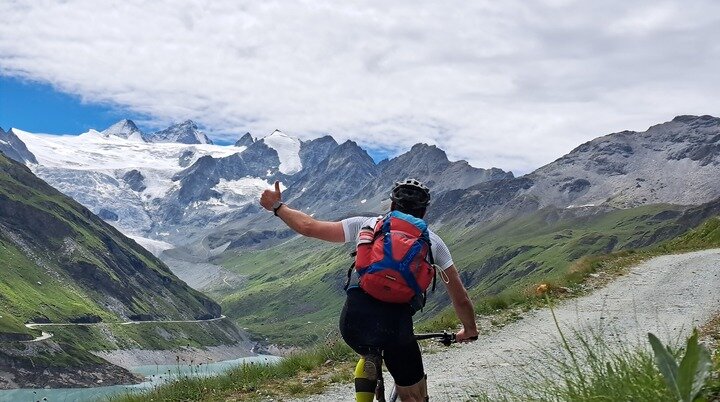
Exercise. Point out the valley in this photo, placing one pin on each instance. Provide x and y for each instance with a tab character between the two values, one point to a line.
190	210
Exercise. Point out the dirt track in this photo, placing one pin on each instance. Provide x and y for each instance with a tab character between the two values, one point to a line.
667	295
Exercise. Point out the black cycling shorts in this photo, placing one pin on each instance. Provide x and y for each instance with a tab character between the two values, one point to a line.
368	325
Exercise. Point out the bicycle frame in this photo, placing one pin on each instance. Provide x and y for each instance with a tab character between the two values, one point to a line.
445	338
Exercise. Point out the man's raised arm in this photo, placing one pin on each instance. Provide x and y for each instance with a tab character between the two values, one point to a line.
299	221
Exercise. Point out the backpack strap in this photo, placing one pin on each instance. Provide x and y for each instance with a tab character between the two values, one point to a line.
431	260
349	273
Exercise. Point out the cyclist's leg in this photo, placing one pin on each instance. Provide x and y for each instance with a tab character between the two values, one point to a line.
366	377
414	393
404	362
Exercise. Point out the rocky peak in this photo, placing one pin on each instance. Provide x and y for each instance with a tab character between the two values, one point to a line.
351	151
245	141
315	151
690	119
186	132
428	151
124	129
431	165
338	177
261	158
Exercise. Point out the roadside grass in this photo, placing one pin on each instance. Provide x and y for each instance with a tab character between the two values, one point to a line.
710	335
301	373
588	369
593	368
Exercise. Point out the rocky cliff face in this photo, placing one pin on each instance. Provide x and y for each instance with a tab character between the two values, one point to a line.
674	162
669	163
245	141
14	148
335	180
198	181
315	151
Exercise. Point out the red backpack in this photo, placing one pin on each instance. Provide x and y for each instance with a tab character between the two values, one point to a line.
394	260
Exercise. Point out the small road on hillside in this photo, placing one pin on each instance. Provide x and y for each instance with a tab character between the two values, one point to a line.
48	335
667	296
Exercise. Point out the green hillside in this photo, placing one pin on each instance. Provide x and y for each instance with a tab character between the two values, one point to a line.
61	264
27	293
294	290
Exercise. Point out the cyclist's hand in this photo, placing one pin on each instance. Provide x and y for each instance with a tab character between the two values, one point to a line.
466	336
270	196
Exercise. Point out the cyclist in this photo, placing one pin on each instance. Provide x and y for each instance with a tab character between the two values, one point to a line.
369	325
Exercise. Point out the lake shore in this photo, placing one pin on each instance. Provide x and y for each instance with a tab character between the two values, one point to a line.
129	358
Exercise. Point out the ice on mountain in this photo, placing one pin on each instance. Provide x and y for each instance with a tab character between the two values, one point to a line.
240	192
288	149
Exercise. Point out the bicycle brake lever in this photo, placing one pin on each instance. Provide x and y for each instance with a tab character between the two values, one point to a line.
448	339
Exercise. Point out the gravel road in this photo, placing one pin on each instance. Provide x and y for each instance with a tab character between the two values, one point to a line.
667	295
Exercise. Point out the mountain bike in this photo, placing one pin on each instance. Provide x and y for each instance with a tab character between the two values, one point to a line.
445	338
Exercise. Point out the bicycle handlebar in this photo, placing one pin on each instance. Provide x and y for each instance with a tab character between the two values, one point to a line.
446	338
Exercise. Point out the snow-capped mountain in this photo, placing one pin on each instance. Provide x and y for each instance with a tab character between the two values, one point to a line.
157	189
180	193
288	150
125	178
186	132
172	191
124	129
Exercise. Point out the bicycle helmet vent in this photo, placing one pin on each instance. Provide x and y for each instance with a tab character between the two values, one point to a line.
410	193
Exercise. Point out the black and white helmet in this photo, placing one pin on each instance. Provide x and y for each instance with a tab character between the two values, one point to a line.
410	193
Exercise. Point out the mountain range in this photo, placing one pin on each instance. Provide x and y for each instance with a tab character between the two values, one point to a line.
194	204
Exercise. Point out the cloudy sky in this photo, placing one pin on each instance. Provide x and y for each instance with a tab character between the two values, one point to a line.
511	84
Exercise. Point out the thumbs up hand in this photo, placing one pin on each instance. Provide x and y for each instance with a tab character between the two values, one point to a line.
270	196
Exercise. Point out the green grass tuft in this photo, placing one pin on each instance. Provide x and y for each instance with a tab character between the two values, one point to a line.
253	380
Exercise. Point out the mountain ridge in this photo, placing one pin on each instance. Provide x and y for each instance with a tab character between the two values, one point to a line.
211	193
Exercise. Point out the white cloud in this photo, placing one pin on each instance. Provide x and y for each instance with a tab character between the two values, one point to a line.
507	84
